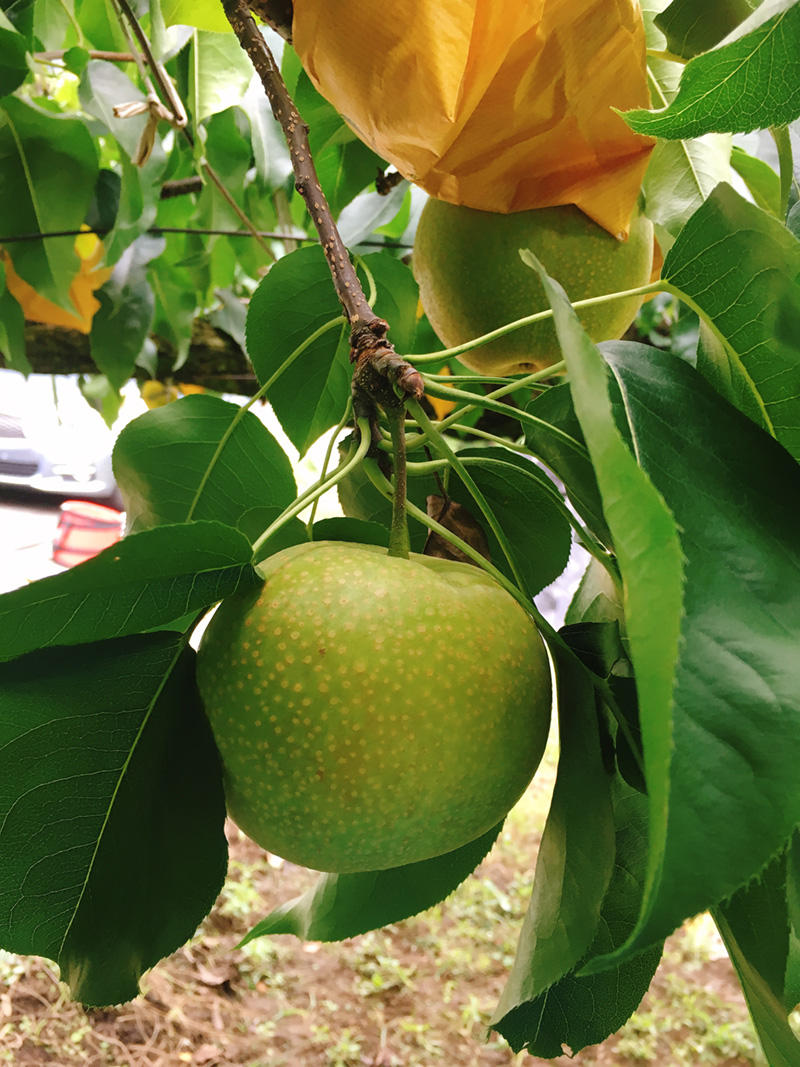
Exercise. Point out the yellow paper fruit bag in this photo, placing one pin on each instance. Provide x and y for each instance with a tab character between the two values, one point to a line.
90	276
498	106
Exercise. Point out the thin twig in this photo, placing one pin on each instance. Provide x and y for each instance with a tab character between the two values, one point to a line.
374	355
170	97
94	53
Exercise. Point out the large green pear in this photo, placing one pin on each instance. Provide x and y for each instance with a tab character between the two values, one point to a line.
472	279
372	711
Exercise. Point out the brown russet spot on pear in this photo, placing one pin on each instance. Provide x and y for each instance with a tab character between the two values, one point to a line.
472	280
408	734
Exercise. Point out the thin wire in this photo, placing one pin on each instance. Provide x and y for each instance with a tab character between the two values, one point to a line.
102	231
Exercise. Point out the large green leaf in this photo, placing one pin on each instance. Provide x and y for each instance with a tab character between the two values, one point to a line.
344	905
219	73
48	168
13	62
648	550
103	86
147	580
121	324
574	867
754	925
715	670
791	997
580	1010
691	28
111	810
730	778
763	184
751	83
753	354
206	14
297	299
558	439
525	502
202	458
12	329
294	300
681	174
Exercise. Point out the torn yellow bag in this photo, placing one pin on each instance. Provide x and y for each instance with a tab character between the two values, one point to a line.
499	106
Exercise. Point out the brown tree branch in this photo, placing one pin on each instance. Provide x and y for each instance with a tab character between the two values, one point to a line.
368	331
215	360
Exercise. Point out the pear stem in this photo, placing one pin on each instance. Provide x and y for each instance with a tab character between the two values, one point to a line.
399	542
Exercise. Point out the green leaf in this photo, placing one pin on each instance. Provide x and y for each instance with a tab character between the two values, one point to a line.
352	530
681	174
54	23
369	212
111	834
293	301
102	87
750	83
13	61
574	866
524	501
714	665
691	28
761	180
205	14
754	305
728	771
145	581
398	296
122	322
647	547
360	499
755	928
100	24
596	599
791	996
49	166
344	170
580	1010
219	73
201	458
339	906
12	330
558	440
759	915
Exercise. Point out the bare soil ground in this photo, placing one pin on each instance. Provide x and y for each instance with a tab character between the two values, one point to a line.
418	993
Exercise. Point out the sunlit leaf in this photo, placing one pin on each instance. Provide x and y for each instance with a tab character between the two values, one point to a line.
146	580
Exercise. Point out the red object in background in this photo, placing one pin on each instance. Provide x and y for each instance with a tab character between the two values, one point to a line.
83	530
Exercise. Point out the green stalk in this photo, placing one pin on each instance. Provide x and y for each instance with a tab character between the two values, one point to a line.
780	135
443	448
326	462
399	542
435	389
318	488
530	320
